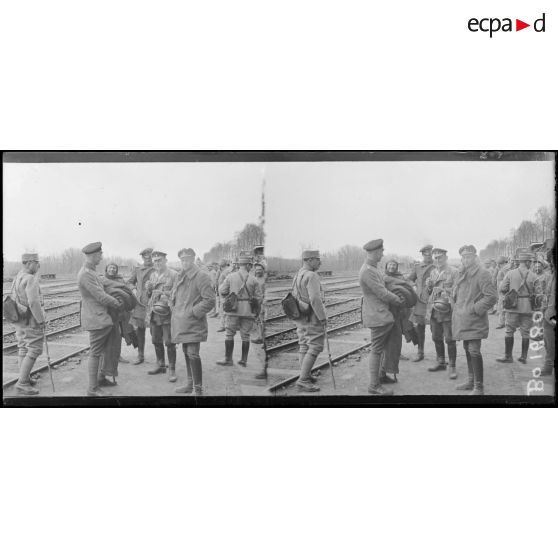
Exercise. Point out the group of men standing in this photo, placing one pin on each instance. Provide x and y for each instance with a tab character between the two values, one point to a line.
174	305
454	302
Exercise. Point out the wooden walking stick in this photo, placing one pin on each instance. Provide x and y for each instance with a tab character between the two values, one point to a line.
329	356
48	359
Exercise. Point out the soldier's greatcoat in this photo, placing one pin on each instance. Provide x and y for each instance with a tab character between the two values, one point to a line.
139	278
375	306
95	301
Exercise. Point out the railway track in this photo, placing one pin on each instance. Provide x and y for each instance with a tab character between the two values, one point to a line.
287	285
346	287
279	317
68	322
334	359
56	362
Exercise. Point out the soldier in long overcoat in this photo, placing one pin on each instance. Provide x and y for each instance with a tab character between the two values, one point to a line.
29	329
439	286
376	311
473	296
192	298
522	280
549	316
241	319
138	280
418	276
158	314
96	318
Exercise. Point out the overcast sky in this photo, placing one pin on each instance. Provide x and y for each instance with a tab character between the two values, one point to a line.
408	204
127	206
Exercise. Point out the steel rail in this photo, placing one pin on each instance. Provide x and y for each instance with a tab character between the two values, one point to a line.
331	305
294	378
10	346
60	360
290	344
288	330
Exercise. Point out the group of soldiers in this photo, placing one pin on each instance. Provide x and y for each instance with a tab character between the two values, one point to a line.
454	302
174	305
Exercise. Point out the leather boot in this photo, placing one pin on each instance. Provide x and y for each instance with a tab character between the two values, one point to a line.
440	357
420	329
23	385
140	333
196	365
468	385
304	382
524	350
20	359
93	374
452	356
508	349
229	348
478	375
245	349
189	378
160	354
171	353
375	387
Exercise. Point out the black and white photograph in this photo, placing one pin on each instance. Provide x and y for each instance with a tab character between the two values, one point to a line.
133	278
400	276
283	276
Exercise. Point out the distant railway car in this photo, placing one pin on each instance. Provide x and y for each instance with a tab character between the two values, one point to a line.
48	276
325	273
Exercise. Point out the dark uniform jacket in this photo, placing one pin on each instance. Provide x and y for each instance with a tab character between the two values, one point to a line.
514	279
441	287
473	295
376	301
95	301
28	293
139	278
159	288
191	299
418	276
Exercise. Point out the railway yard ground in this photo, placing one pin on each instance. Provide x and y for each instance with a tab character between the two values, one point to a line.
349	343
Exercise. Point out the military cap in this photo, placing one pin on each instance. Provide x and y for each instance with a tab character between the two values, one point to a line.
146	251
30	256
525	257
502	259
92	248
244	260
307	254
467	250
186	252
374	245
260	264
158	254
426	248
436	251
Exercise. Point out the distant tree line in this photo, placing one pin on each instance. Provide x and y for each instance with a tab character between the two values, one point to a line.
346	259
251	235
528	232
68	262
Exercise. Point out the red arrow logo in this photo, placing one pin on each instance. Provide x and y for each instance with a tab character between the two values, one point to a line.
519	25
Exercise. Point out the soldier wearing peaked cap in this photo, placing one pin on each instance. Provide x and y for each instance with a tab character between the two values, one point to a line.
522	281
376	313
158	315
103	331
240	317
439	286
29	328
307	289
138	280
259	275
473	295
224	269
418	276
192	298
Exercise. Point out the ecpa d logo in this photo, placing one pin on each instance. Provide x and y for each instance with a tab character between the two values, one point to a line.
492	25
